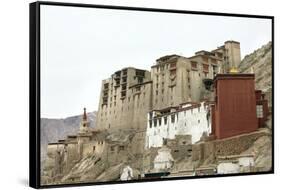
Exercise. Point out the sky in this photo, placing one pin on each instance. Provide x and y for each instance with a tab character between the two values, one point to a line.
82	46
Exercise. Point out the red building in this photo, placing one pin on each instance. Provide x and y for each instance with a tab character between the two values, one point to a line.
235	110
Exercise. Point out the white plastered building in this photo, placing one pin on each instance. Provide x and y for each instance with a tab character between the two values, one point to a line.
187	119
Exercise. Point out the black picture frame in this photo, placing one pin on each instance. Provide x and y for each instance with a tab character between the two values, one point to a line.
34	89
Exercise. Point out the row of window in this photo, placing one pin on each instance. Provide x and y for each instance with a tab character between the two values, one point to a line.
165	119
166	66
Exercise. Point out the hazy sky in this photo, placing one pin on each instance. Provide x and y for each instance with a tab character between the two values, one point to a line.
82	46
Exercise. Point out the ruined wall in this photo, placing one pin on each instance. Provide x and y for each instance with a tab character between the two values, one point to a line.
72	156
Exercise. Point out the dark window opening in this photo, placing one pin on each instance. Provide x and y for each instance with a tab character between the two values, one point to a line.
121	147
173	118
155	122
150	124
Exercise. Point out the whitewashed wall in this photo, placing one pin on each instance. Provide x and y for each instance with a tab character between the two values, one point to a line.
230	167
246	161
163	160
189	122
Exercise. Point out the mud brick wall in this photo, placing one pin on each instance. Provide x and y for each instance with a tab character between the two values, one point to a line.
236	145
230	146
203	151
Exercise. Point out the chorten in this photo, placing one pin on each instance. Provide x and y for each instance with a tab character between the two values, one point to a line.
84	125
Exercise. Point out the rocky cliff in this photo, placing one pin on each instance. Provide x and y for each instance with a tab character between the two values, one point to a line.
260	62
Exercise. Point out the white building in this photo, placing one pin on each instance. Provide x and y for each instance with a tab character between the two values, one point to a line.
163	160
187	119
235	164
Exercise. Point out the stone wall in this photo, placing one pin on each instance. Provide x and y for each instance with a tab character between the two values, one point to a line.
207	152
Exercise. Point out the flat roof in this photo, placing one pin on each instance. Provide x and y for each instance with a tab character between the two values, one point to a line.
233	76
232	41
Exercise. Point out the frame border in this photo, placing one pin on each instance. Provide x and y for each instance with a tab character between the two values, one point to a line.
34	90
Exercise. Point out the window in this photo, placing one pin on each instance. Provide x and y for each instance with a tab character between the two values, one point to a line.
121	147
140	73
259	111
123	93
150	123
112	148
159	121
165	120
205	68
173	72
219	55
173	65
124	72
140	80
193	64
94	148
155	122
106	86
214	61
124	79
173	118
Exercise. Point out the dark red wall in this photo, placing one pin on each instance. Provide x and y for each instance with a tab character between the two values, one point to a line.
235	106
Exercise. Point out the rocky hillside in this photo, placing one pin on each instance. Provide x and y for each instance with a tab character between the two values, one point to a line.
260	61
54	129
